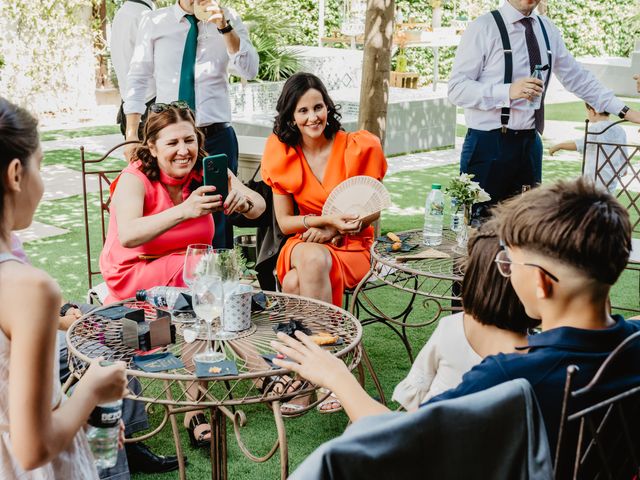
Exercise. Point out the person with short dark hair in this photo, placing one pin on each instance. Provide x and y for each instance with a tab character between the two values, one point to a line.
493	321
612	164
566	244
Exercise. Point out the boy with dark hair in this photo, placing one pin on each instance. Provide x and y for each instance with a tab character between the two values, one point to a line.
613	164
565	245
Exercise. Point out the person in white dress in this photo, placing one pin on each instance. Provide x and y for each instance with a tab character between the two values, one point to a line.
41	434
493	321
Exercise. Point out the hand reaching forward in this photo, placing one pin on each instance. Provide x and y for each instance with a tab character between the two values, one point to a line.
309	360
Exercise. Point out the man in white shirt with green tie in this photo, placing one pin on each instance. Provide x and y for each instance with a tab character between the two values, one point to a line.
188	60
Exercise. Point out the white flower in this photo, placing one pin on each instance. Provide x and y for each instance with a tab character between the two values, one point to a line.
482	196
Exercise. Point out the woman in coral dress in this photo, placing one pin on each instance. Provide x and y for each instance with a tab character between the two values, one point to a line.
159	206
305	158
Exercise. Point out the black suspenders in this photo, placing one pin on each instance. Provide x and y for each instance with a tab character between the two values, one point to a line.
505	113
141	3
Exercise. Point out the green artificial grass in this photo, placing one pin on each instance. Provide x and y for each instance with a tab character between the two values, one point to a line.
79	132
64	257
574	111
70	158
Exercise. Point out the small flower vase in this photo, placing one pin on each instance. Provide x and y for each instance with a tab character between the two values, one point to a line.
462	237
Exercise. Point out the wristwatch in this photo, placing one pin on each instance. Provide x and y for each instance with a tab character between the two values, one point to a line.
66	307
226	29
623	112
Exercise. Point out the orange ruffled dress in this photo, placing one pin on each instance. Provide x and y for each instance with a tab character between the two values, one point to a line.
287	172
123	270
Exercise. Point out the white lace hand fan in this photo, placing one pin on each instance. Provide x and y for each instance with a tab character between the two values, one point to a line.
360	195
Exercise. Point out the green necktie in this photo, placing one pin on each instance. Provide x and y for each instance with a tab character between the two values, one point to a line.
187	90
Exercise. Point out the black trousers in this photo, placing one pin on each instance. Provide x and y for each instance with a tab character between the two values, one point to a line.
501	162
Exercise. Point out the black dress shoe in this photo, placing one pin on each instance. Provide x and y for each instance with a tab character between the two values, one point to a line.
142	460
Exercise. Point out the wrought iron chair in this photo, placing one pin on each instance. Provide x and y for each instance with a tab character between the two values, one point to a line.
609	173
95	170
601	439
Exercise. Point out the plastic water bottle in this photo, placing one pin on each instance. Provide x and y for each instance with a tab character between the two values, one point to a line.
433	217
158	296
103	431
535	103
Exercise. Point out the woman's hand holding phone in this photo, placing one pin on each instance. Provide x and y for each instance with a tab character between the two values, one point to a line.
202	201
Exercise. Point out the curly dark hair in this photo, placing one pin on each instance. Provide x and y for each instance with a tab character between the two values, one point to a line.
486	294
294	88
152	127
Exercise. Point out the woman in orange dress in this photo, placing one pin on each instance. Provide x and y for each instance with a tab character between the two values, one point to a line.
305	158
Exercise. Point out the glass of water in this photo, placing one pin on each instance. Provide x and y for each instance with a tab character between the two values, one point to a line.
224	263
208	298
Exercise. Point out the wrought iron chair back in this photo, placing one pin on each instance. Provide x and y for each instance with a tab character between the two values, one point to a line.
614	167
95	170
601	440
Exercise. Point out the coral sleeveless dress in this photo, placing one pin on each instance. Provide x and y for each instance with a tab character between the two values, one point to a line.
123	270
287	172
74	463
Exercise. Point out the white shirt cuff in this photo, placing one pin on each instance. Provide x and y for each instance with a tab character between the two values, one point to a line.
615	106
501	95
131	106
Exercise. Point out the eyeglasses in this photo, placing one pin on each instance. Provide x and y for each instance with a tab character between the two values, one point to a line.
504	265
161	107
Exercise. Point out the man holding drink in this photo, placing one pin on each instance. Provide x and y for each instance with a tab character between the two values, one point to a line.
186	50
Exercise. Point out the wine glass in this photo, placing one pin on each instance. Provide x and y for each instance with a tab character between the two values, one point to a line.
208	301
201	13
193	264
223	262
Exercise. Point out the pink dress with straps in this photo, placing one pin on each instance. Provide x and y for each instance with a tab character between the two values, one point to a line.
121	267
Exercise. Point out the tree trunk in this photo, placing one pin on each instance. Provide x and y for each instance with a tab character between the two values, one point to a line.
374	92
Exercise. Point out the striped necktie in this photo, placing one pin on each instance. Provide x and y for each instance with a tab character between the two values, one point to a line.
534	59
187	89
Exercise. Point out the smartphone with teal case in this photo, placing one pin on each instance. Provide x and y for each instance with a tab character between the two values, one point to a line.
215	173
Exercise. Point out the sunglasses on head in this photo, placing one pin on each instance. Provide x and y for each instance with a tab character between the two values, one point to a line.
161	107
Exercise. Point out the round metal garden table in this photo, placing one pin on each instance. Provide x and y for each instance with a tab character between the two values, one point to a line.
95	336
436	280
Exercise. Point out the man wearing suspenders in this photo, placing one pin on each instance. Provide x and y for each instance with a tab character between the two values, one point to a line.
492	81
124	30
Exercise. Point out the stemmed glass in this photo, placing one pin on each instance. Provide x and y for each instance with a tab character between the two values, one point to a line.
208	301
194	266
223	262
201	13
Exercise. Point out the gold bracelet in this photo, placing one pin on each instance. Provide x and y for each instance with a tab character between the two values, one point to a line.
304	220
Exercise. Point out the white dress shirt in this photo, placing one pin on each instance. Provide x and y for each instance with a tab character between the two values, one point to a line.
124	30
158	55
477	80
